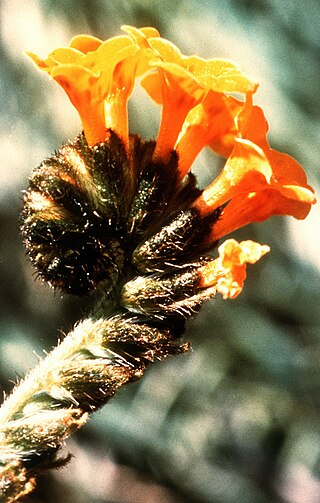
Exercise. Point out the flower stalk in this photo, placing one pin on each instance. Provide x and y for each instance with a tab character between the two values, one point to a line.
77	377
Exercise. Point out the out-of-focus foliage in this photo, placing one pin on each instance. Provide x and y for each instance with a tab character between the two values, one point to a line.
237	420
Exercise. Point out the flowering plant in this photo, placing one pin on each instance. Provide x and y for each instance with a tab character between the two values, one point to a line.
122	217
199	109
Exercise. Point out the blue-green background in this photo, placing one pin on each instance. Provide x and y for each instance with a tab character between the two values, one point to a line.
237	420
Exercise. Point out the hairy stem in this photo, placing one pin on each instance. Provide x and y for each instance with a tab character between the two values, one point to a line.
80	375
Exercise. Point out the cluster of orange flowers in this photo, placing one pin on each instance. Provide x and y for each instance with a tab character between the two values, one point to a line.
204	103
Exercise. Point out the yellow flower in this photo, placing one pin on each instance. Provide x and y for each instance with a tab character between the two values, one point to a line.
204	103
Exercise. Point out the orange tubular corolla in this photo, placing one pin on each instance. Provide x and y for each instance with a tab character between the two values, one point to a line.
204	103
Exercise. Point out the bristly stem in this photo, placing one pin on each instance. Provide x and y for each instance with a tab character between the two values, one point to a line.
79	376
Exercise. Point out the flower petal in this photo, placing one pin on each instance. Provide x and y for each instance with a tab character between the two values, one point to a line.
65	56
228	272
256	183
85	43
215	74
141	35
214	122
246	170
80	84
256	207
284	167
98	78
178	91
178	76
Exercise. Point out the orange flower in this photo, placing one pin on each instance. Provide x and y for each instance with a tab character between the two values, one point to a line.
204	103
179	84
256	183
98	77
228	272
215	122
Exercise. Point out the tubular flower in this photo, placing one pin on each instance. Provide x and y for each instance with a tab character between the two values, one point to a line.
228	272
256	183
98	77
181	82
167	220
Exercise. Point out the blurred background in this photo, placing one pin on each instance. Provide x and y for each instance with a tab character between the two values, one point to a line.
236	420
